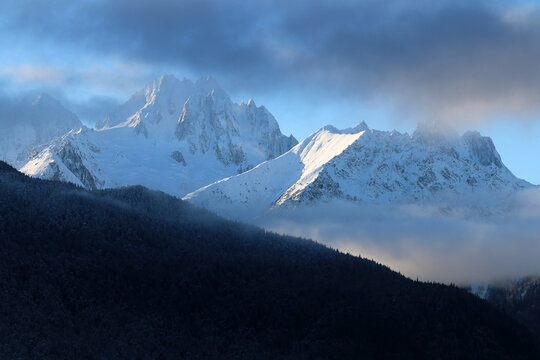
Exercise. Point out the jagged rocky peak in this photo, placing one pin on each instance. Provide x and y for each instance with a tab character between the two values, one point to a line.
207	110
160	102
358	128
166	86
171	106
250	104
330	128
169	86
361	126
262	123
482	149
259	116
210	120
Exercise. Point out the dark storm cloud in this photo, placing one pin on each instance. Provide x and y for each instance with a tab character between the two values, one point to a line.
446	59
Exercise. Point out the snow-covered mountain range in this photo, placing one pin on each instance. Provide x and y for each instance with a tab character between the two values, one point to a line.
367	166
27	123
189	139
173	135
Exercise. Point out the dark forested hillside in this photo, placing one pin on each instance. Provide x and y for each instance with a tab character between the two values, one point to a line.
136	274
519	298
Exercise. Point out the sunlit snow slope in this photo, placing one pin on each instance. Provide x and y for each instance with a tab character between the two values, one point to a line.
368	166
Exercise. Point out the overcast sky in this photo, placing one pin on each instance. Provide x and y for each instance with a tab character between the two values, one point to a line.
472	64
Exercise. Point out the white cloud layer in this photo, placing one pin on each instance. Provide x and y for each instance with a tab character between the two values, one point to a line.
421	242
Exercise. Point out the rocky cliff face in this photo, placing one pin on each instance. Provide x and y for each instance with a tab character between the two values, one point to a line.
243	135
173	135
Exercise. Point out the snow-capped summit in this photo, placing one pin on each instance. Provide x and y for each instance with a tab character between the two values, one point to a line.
482	149
159	102
364	165
27	123
172	135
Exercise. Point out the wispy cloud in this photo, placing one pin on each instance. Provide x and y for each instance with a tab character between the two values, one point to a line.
34	74
113	77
